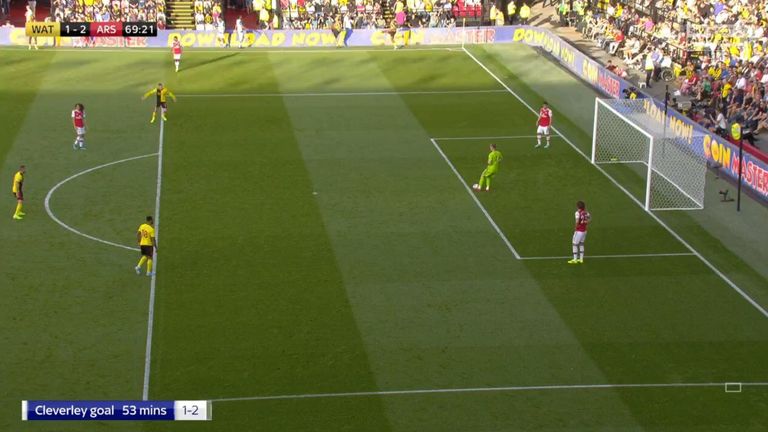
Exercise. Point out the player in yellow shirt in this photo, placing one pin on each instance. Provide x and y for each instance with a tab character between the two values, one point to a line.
161	94
18	192
148	245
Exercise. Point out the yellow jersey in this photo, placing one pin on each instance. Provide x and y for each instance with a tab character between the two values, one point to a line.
727	90
147	232
162	94
18	182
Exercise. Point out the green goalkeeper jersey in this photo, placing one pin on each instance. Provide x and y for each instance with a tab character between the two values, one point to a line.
493	161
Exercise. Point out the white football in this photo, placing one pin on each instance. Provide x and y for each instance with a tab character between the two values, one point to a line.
475	186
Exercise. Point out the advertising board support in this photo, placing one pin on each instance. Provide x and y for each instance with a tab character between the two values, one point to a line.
666	118
741	168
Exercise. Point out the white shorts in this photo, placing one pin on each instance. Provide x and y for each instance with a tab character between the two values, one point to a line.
177	57
579	237
542	130
80	131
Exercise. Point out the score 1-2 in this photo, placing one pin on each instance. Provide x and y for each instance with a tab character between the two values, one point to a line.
192	410
75	29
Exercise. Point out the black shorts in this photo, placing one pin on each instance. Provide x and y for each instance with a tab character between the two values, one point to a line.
161	104
147	251
19	195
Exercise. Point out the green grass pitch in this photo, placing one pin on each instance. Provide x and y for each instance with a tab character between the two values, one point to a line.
318	242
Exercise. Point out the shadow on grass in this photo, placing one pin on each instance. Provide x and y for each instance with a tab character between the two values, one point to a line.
213	60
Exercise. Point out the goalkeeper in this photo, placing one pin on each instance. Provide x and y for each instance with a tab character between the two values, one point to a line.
494	158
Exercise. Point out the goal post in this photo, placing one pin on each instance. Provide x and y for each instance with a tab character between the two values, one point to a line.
674	174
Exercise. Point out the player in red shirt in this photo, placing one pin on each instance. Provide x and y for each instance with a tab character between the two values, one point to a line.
78	121
543	123
580	233
176	49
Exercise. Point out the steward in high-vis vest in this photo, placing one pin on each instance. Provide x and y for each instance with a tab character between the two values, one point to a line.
525	14
511	9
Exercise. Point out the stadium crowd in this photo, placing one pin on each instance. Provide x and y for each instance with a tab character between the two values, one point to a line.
305	14
207	14
358	14
714	49
109	10
348	14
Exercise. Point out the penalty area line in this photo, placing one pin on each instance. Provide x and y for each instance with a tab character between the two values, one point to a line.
486	390
500	137
650	255
50	193
341	94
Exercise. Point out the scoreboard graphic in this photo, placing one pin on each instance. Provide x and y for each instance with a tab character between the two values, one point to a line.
91	29
115	410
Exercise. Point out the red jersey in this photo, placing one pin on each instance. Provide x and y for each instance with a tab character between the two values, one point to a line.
545	116
177	47
582	220
78	117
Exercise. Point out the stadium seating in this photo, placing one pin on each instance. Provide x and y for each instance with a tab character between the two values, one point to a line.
716	50
108	10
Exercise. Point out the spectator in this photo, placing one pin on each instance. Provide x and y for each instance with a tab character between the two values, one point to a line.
631	49
618	39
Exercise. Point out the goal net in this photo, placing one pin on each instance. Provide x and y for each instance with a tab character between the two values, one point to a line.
673	173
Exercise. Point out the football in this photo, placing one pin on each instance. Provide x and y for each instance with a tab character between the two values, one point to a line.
475	186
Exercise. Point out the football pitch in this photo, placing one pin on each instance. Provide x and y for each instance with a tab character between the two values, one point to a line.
324	265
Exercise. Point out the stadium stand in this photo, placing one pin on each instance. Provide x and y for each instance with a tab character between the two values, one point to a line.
711	53
108	10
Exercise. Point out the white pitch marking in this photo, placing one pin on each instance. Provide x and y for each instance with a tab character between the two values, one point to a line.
153	282
501	137
480	390
477	202
706	262
330	94
651	255
72	177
